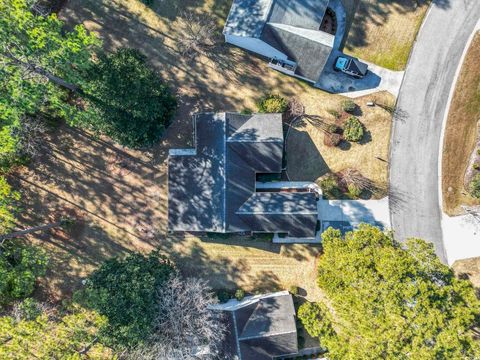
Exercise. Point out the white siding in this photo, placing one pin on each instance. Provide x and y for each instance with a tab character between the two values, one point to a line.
255	45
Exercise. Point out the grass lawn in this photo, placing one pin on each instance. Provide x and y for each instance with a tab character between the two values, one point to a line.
308	158
461	132
383	31
119	196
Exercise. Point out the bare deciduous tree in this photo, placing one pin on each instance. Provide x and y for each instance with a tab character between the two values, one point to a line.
31	133
197	34
354	177
185	328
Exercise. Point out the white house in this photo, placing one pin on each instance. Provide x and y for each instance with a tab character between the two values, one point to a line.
296	35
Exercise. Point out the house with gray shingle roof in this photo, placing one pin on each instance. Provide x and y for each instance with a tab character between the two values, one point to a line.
261	328
288	32
213	187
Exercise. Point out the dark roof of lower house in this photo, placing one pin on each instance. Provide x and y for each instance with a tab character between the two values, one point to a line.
209	184
265	328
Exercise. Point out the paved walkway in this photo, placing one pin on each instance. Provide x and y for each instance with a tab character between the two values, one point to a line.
414	191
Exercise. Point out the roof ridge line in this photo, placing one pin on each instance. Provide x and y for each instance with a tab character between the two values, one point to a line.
266	335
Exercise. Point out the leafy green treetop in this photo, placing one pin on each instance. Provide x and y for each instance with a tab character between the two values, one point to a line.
20	265
128	101
124	290
393	302
38	59
72	336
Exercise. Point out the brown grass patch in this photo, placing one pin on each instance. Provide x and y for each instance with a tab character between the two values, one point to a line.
120	196
460	133
308	158
383	31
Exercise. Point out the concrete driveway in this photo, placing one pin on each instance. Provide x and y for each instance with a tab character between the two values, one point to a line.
348	214
377	79
423	97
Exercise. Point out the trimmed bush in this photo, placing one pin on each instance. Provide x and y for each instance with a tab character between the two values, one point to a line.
475	186
272	103
293	290
476	166
353	129
348	106
334	113
223	295
354	191
239	294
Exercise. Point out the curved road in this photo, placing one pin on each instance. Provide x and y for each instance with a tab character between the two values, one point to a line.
414	194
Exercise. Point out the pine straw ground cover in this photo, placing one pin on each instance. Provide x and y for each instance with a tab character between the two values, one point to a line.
461	133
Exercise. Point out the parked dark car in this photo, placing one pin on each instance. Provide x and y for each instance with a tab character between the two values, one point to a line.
351	66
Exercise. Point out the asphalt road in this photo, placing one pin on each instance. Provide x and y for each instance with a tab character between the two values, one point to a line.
414	196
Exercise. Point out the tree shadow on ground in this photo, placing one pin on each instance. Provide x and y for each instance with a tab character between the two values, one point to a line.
377	13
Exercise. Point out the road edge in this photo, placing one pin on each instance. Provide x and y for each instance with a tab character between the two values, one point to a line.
444	126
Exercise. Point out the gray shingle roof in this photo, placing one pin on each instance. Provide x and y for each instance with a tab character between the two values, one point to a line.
247	17
306	14
266	328
310	55
213	188
290	26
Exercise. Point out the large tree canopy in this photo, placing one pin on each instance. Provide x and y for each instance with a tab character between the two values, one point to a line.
20	265
38	60
71	336
128	101
124	290
391	302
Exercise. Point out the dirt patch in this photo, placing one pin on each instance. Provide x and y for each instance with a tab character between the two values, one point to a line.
383	31
461	132
308	158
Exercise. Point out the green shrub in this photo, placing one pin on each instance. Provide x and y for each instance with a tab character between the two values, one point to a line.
354	191
334	113
329	186
223	295
239	294
475	186
246	111
348	106
293	290
478	152
476	166
272	103
353	129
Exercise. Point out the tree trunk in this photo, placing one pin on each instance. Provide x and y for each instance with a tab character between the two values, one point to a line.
41	71
30	230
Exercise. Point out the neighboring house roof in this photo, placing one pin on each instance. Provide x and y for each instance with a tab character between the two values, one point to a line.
264	328
290	26
212	187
